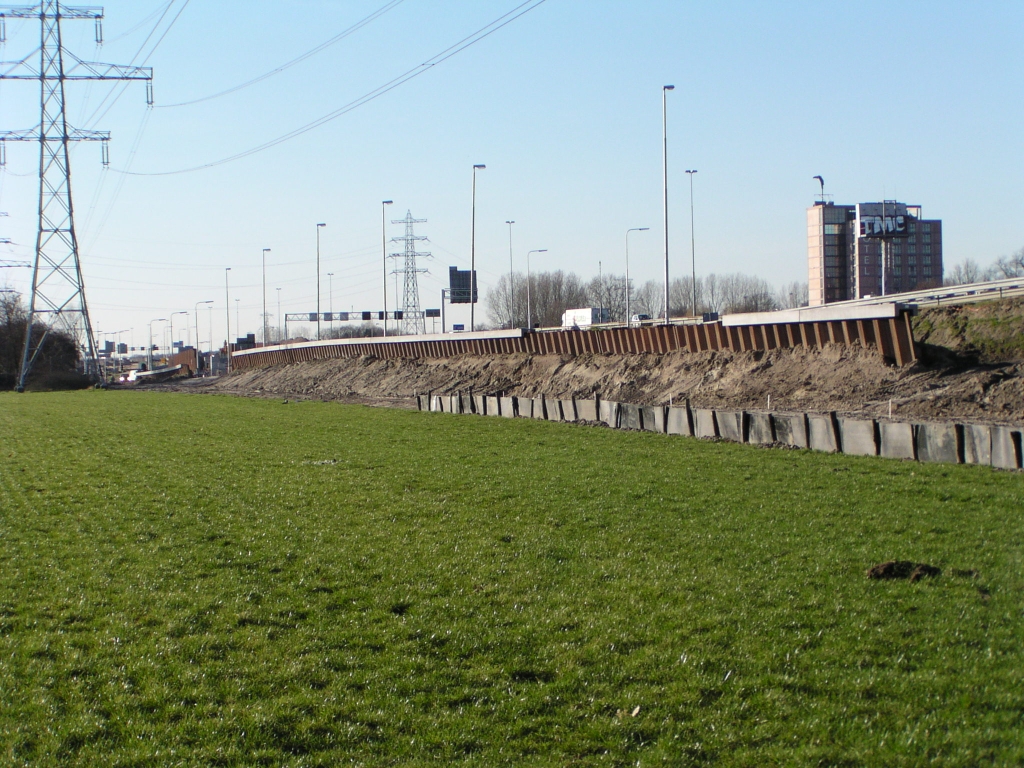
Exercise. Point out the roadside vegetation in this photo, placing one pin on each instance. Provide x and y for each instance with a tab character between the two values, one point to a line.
228	581
57	364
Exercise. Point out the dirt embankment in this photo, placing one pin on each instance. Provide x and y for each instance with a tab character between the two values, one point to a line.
957	380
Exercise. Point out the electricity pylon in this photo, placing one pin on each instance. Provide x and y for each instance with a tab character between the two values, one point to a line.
58	294
413	322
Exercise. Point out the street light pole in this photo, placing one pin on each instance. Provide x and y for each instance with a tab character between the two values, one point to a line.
634	229
384	260
472	256
265	252
693	257
150	348
279	337
211	335
227	317
330	301
238	316
183	312
318	227
664	162
511	283
529	307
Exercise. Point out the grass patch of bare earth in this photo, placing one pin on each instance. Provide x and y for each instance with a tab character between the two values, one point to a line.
231	581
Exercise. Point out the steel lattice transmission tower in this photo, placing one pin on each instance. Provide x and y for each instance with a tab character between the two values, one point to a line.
58	294
413	322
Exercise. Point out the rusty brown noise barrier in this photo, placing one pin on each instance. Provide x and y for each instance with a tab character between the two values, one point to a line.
892	337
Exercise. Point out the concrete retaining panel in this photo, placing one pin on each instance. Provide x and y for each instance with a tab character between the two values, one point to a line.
791	429
704	423
568	410
420	400
553	410
610	413
524	407
1006	448
491	407
629	416
437	403
821	433
760	430
586	410
538	408
977	444
679	421
858	437
653	419
897	440
938	443
508	406
466	402
480	405
732	425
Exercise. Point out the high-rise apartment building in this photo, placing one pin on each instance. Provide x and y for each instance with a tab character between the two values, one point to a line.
846	244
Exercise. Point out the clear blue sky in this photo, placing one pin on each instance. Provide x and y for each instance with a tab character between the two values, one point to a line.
917	101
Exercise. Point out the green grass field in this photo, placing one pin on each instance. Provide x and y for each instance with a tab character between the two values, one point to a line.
196	580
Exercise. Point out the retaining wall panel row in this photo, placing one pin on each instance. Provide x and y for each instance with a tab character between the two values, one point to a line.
892	337
997	446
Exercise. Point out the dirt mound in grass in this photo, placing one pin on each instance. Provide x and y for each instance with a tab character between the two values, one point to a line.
902	569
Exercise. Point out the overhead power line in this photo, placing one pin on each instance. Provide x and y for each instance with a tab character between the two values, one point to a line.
312	52
489	29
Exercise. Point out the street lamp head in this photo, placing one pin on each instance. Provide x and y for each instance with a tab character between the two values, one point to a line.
386	202
511	222
321	225
479	166
266	250
691	172
668	87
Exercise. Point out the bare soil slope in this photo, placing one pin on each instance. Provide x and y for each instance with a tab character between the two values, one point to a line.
962	379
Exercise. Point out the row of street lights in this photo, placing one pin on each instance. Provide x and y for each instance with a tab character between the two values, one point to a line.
472	311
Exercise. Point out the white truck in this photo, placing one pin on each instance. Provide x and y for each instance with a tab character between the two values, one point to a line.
581	318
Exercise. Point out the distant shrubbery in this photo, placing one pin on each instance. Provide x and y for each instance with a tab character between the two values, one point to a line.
551	293
56	367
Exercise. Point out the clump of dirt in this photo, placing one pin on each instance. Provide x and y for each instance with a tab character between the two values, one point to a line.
902	569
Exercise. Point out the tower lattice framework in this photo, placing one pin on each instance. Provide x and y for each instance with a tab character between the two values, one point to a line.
57	301
413	321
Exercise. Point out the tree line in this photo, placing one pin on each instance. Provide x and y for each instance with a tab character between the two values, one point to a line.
549	294
57	362
969	271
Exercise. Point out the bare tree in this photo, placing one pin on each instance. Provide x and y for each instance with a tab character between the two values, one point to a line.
608	292
549	295
965	272
1006	267
648	299
793	295
507	308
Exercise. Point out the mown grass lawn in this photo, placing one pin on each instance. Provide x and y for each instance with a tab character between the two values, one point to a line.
189	580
